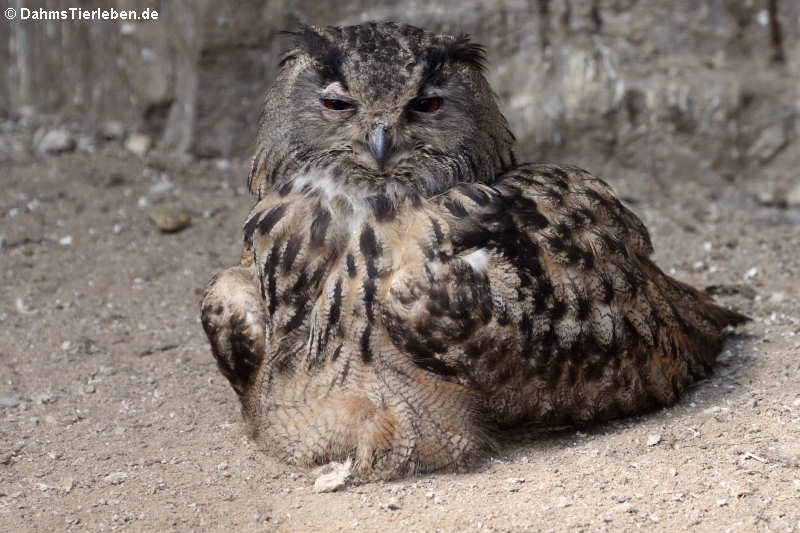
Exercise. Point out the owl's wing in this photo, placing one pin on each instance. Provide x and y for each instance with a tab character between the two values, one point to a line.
538	293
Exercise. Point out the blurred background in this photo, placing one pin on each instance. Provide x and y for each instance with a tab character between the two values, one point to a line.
686	89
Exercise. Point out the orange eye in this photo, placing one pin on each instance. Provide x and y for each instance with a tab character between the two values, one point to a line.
426	105
337	105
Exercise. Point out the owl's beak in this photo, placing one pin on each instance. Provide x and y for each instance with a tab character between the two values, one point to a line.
379	143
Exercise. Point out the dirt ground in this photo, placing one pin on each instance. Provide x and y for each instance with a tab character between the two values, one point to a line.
114	416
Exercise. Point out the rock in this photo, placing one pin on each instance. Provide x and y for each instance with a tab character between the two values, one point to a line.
777	297
116	478
86	144
333	476
171	219
163	185
56	142
563	502
23	309
768	144
45	398
68	485
10	401
7	456
112	130
392	505
654	439
769	195
138	144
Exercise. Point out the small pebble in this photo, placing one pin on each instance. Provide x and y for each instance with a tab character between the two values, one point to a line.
113	130
116	478
164	184
10	401
138	144
65	241
56	141
751	273
44	398
170	219
777	297
334	476
652	440
393	504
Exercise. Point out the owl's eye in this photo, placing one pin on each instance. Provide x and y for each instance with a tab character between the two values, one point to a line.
426	105
337	105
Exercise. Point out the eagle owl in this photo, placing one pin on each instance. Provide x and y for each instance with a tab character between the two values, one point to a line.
408	290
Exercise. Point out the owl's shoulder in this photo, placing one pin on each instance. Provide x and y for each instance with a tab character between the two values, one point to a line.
557	203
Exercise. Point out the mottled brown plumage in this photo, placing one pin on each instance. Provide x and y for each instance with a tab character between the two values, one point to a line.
404	310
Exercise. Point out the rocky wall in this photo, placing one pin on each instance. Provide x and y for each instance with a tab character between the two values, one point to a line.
673	90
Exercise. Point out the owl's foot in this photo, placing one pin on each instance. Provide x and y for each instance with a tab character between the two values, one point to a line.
234	319
432	426
394	423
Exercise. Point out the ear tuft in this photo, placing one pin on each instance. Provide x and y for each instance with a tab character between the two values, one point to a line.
462	50
311	41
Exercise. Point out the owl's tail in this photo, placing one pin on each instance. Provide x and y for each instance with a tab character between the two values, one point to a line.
698	324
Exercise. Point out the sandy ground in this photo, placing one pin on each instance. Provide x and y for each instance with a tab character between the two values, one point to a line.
113	415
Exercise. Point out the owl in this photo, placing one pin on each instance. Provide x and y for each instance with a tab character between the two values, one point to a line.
408	292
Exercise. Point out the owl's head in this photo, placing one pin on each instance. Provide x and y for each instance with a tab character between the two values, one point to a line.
380	108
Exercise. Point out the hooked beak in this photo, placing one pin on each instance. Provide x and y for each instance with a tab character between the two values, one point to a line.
379	143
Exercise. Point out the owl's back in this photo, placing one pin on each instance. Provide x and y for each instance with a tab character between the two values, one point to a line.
584	325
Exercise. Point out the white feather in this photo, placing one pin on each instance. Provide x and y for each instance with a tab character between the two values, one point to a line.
478	260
